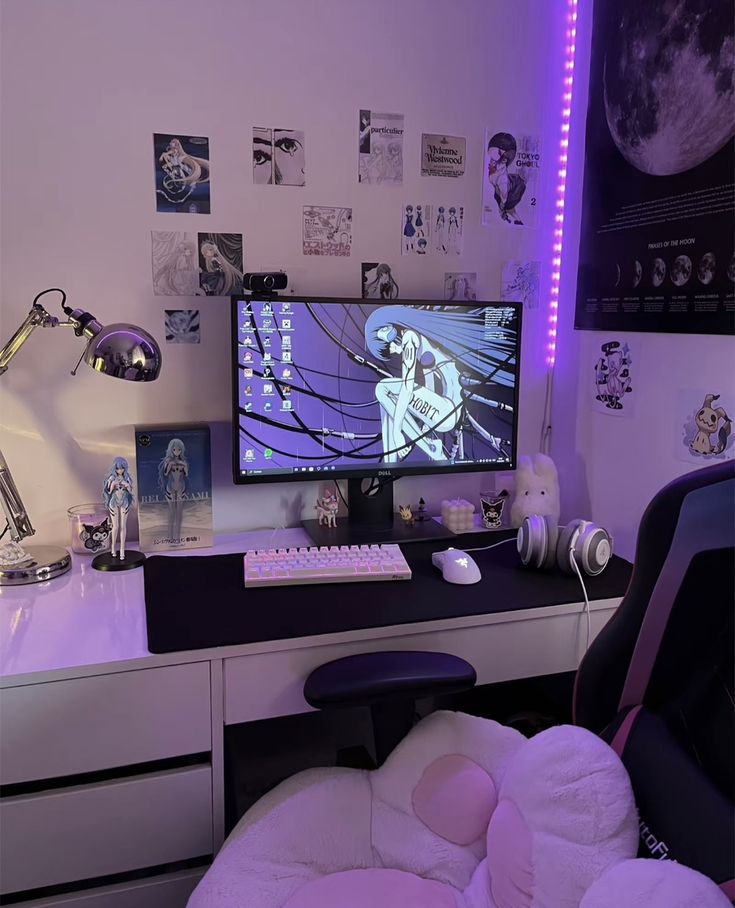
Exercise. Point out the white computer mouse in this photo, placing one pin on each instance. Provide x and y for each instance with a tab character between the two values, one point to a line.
456	566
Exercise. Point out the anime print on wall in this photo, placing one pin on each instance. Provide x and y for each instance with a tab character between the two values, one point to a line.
378	281
416	225
448	229
614	379
182	326
182	173
174	261
460	285
327	230
220	263
380	148
510	181
520	283
704	424
175	487
279	157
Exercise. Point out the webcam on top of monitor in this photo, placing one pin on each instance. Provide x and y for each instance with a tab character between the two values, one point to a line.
265	281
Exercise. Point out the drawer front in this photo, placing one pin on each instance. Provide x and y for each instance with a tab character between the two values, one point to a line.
85	724
169	891
93	830
271	684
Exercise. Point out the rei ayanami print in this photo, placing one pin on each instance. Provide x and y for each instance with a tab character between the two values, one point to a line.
172	473
446	360
117	493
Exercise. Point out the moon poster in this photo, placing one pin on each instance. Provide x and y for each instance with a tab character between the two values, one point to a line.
658	215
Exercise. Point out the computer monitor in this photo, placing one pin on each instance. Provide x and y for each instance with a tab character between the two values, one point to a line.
353	388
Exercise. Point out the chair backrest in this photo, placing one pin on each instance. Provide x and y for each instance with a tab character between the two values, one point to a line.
658	680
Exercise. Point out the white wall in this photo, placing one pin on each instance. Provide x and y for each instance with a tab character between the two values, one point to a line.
611	467
85	84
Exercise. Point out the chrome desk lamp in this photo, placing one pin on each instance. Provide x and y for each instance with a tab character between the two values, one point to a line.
121	350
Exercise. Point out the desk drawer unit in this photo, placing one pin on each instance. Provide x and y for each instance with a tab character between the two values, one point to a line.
62	728
96	830
169	891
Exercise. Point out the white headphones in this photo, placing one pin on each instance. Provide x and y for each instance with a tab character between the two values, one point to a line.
542	544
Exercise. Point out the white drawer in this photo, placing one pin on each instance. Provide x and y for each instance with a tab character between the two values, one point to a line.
93	830
169	891
509	645
85	724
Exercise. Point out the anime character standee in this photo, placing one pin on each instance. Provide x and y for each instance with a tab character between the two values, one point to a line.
173	471
326	508
117	493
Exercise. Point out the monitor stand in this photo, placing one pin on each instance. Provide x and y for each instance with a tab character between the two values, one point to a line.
372	520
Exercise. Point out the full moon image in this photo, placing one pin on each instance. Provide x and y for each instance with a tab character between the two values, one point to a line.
669	82
658	272
681	270
706	268
637	273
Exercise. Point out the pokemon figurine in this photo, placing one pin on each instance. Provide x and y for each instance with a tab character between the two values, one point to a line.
326	508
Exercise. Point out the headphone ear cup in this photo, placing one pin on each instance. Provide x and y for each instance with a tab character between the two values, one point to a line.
536	541
567	543
590	544
552	535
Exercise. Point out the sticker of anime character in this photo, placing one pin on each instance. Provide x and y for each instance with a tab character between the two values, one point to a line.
445	360
173	471
612	375
707	420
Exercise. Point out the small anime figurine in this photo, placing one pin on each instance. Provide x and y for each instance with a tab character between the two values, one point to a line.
326	508
406	514
117	493
172	473
421	513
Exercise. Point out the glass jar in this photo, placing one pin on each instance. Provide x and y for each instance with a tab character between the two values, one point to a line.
90	527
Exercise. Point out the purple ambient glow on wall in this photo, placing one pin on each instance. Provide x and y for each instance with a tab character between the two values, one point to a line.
558	244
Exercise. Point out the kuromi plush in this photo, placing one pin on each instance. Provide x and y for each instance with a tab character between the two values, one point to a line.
537	489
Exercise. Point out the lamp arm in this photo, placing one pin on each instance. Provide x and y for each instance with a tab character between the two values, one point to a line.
15	512
38	317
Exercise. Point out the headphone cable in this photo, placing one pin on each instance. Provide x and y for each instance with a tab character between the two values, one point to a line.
574	564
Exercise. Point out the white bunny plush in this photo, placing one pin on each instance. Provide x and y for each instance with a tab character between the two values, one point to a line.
537	489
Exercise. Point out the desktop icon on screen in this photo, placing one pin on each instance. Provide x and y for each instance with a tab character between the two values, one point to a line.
286	324
267	388
267	372
286	341
286	373
247	372
286	356
268	453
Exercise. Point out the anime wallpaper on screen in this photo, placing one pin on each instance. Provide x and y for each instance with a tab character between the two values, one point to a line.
352	386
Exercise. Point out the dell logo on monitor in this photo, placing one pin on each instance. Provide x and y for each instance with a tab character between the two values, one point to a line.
385	472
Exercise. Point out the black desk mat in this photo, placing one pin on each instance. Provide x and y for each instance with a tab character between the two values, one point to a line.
200	601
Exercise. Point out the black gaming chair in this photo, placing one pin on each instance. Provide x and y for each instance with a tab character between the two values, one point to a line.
657	683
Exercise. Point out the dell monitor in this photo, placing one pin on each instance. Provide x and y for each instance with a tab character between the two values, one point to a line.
355	389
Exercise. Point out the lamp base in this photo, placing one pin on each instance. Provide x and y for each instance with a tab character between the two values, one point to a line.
47	562
106	562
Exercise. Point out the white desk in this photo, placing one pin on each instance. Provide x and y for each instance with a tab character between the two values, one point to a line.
81	694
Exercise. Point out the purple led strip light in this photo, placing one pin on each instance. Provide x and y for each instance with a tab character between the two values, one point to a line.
566	112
